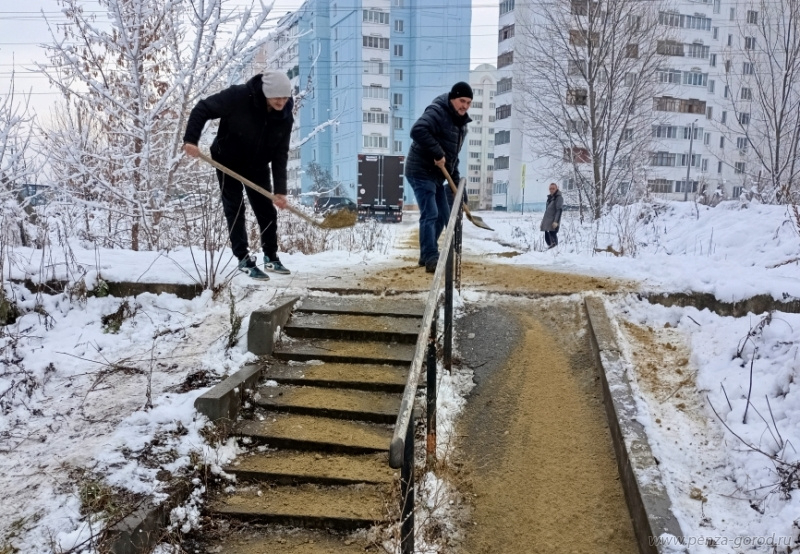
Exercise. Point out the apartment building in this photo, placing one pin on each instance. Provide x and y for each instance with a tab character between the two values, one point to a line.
693	145
366	70
477	158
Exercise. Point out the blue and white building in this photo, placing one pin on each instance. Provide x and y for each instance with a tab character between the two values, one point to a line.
373	66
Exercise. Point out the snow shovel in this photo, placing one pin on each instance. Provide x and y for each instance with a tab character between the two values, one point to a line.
332	220
477	221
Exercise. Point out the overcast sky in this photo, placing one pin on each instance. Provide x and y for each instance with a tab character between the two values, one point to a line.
23	29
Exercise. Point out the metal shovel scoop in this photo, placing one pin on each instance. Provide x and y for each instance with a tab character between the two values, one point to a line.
477	221
333	220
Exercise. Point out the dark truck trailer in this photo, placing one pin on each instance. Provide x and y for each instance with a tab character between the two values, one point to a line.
380	187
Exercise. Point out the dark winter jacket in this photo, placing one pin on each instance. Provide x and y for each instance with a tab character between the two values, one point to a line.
438	132
552	212
249	138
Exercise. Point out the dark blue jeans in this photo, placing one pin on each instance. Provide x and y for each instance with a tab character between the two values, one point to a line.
234	207
434	211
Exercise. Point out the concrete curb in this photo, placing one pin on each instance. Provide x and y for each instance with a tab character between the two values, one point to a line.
757	304
119	289
648	502
141	531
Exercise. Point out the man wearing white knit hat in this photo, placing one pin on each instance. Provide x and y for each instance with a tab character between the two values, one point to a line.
254	131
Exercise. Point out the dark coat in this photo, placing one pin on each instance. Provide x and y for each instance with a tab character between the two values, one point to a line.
552	212
438	132
250	138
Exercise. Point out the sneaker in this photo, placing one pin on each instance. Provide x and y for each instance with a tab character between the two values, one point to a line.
420	263
249	266
275	266
430	266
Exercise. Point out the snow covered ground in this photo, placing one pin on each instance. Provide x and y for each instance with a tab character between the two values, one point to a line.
76	396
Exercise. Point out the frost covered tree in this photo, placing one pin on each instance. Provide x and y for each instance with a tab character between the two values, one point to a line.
762	98
128	83
18	167
584	89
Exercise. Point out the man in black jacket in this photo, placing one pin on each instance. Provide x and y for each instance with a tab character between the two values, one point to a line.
437	138
254	131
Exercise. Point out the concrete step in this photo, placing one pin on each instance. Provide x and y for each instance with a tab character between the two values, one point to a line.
335	375
378	407
309	506
296	467
288	541
363	306
354	327
329	350
300	432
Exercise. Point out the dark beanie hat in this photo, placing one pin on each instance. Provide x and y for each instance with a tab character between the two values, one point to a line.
460	90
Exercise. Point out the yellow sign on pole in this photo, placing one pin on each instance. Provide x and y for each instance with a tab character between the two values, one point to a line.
522	186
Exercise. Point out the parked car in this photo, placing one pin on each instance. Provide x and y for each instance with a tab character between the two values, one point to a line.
325	204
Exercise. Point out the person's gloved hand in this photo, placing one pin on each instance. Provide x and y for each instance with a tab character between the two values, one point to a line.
555	225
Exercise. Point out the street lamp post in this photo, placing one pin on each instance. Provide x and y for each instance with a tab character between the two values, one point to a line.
689	163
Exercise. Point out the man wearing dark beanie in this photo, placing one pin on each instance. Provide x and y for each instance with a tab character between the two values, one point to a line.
253	140
437	137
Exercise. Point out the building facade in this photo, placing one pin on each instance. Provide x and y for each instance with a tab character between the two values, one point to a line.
697	130
477	159
366	70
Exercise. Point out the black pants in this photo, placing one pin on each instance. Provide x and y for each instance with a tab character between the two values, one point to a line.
551	237
234	208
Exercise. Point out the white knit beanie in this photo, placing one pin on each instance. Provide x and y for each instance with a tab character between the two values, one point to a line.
275	84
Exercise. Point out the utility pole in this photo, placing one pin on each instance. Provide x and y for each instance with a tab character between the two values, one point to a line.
689	163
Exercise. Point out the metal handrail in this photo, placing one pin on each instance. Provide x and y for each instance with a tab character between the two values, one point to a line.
401	449
431	306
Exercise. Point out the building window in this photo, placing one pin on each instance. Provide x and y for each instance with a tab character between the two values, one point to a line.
398	50
665	131
697	50
505	59
501	162
707	138
506	6
724	117
695	78
398	123
752	17
397	99
662	159
375	117
728	66
503	112
373	16
577	154
730	40
577	97
680	186
375	67
399	25
659	186
669	48
719	167
475	155
631	50
476	105
745	93
504	85
502	137
398	146
742	143
721	143
715	33
375	42
709	112
737	191
711	84
738	168
712	60
744	118
376	141
749	43
505	33
748	68
398	74
475	142
733	14
474	167
672	76
375	92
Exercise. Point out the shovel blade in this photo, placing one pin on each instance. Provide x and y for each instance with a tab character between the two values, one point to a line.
478	222
339	219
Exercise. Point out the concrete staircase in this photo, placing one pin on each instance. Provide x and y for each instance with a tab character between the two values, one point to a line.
321	427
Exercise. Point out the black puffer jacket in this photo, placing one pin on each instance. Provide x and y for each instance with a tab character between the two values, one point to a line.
249	137
438	132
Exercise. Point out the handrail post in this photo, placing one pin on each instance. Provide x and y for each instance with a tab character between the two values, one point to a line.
457	241
448	309
407	493
430	394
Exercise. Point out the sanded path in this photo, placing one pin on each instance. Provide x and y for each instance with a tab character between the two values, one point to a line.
539	459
